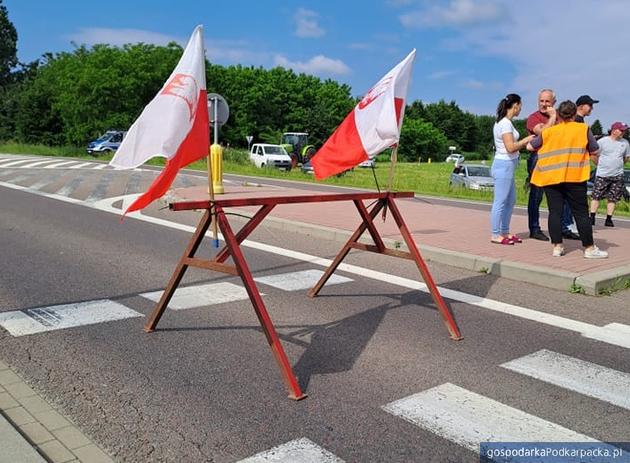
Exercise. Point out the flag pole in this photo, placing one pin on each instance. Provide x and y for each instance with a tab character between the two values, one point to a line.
390	181
215	125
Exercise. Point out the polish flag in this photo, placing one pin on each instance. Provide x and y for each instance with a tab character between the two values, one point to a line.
372	126
173	125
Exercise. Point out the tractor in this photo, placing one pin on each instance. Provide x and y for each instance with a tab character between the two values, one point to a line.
296	144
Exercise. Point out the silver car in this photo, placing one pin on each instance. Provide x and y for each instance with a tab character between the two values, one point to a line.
472	176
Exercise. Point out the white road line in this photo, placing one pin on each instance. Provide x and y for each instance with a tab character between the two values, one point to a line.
299	280
577	375
603	334
201	295
79	166
34	164
100	166
59	164
296	451
619	327
14	163
41	319
467	419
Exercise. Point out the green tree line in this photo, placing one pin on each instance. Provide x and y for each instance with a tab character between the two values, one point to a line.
72	97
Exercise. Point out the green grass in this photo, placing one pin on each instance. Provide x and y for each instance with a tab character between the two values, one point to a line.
422	178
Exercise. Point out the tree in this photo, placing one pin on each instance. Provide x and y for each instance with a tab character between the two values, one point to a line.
420	139
8	46
596	128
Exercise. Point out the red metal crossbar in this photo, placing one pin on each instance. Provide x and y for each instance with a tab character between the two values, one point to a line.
240	267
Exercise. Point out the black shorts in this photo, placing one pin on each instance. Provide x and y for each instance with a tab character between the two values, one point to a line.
610	188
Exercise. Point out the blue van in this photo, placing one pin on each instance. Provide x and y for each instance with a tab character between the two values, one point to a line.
106	143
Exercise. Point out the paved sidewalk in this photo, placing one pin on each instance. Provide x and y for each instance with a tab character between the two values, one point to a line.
458	236
31	431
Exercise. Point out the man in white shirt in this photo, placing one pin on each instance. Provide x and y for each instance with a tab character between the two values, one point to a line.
614	151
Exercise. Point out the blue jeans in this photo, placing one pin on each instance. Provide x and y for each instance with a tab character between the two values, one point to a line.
504	195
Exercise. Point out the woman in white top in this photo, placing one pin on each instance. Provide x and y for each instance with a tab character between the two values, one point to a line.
507	145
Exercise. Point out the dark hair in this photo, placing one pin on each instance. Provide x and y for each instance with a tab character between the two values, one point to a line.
567	110
505	104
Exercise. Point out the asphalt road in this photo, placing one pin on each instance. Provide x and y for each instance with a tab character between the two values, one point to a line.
205	387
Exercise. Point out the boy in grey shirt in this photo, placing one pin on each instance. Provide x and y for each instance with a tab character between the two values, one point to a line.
614	151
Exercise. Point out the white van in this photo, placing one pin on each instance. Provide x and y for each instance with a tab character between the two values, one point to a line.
266	155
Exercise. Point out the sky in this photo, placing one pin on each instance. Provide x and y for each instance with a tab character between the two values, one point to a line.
471	51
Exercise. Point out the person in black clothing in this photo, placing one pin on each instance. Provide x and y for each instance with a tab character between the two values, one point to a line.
584	107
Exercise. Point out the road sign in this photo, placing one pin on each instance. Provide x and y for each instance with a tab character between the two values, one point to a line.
218	109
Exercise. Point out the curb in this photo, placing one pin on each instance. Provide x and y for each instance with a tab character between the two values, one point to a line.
595	283
32	431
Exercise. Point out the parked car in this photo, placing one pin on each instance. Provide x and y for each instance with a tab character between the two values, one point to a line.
106	143
267	155
472	176
455	157
368	163
307	168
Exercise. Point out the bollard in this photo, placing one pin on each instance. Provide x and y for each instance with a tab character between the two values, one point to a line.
216	153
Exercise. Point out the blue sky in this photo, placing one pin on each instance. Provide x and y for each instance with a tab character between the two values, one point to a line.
470	51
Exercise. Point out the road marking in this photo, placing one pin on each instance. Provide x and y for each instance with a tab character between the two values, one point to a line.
100	166
467	418
296	451
34	164
69	187
201	295
599	333
59	164
577	375
42	319
49	179
619	327
296	281
85	164
14	163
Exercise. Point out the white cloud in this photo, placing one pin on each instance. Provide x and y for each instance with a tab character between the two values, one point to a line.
306	24
317	65
94	35
217	50
360	46
456	13
552	49
439	75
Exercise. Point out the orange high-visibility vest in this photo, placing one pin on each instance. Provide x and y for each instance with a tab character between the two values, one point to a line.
563	156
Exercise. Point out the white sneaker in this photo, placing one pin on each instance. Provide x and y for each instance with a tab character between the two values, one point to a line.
558	251
595	253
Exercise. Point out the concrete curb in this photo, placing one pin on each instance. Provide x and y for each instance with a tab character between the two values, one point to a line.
598	283
32	431
594	283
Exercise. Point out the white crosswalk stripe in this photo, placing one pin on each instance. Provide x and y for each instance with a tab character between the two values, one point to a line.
296	281
296	451
42	319
82	165
468	419
201	295
12	163
35	164
577	375
59	164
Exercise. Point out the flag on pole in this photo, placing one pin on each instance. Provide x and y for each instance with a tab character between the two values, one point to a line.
372	126
173	125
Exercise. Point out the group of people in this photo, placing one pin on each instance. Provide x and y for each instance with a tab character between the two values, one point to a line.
561	147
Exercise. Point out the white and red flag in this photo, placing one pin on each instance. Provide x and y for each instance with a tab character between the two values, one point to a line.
173	125
372	126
